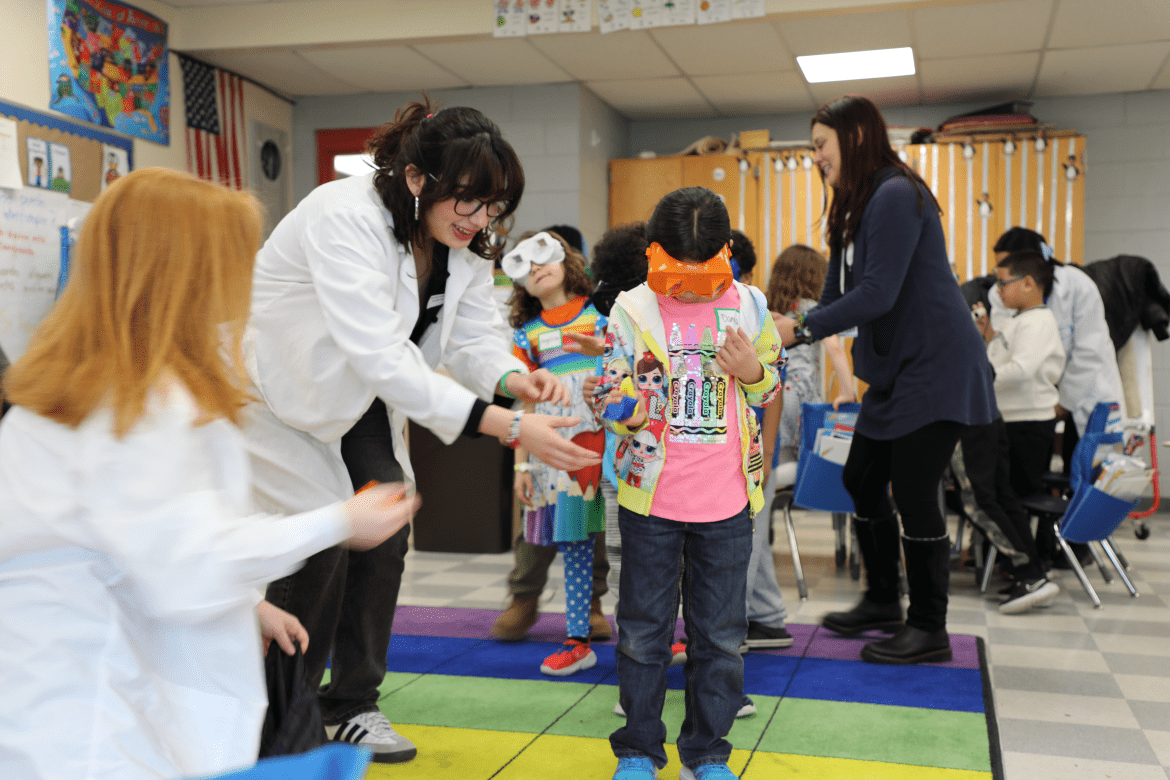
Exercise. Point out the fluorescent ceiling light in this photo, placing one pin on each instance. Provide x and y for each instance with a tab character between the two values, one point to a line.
854	65
353	164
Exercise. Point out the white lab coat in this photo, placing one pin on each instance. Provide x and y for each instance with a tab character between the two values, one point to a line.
129	575
1090	372
334	300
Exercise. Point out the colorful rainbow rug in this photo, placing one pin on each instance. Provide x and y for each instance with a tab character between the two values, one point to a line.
478	708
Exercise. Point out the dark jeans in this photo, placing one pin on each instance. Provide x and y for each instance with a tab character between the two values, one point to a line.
346	599
912	466
1030	445
985	455
531	561
714	595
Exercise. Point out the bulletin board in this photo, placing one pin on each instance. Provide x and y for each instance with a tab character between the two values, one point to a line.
85	144
34	219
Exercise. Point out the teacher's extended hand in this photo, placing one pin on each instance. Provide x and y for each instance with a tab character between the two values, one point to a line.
539	436
787	327
540	385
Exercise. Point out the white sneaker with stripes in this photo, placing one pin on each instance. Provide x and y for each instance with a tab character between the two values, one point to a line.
372	730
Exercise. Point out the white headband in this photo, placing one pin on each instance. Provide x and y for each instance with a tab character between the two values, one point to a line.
540	249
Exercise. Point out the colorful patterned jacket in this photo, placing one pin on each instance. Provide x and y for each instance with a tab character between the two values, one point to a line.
636	329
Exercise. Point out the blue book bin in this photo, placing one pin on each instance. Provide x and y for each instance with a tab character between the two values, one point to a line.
818	481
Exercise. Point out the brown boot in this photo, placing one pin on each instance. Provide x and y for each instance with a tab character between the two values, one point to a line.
513	623
599	628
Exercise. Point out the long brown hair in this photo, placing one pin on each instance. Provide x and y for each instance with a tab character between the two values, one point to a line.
865	148
163	261
799	272
461	149
526	308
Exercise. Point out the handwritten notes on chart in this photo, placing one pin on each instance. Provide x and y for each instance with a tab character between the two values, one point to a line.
30	261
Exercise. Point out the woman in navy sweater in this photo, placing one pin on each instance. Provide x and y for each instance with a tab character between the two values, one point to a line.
925	363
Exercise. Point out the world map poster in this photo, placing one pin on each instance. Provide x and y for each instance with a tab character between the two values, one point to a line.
108	65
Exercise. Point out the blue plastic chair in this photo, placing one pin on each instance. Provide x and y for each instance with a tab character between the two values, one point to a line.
335	761
817	486
1091	515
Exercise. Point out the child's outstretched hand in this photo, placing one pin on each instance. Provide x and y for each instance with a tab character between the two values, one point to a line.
378	512
587	389
592	346
738	357
616	396
282	626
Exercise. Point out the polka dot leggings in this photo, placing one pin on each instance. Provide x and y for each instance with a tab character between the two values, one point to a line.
578	586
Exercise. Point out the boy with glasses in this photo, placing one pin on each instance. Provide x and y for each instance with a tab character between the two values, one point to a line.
1028	360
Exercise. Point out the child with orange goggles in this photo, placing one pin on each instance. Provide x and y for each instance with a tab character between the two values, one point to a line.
670	276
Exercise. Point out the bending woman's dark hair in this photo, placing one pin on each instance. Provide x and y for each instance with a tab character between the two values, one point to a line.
462	155
865	149
690	224
1020	238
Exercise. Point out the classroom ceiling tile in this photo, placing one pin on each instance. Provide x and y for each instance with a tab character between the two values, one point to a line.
756	93
383	68
283	70
496	62
896	91
596	57
1162	80
653	98
846	32
719	49
986	78
981	28
1100	69
1101	22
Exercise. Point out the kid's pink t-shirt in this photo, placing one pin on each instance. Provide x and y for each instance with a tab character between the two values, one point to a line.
702	475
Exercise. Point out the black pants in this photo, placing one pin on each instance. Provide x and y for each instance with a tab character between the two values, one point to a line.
346	599
912	466
1030	450
985	455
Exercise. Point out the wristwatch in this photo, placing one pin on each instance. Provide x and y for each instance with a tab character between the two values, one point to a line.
523	468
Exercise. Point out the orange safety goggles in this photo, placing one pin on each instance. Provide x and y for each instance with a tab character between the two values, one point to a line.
668	276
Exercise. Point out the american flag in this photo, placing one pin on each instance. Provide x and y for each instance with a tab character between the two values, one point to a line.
215	122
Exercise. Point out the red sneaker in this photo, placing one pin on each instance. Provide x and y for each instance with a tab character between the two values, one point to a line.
574	657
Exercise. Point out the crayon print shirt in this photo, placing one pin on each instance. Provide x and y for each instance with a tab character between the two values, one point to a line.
568	506
702	472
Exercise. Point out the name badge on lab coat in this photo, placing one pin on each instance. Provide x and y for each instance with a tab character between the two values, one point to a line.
436	301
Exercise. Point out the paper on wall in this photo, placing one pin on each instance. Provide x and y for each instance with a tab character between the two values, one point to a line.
9	155
38	162
511	19
115	164
713	11
613	15
60	168
30	261
544	16
576	15
677	12
748	9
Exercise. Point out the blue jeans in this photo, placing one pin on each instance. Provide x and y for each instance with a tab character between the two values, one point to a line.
714	586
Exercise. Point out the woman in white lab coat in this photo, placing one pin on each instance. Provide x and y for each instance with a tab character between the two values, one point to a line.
1090	372
366	288
129	563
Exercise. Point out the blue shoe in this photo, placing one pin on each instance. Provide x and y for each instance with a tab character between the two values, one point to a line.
707	772
635	768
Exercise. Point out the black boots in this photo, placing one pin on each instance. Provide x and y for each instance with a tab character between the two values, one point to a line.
880	608
924	639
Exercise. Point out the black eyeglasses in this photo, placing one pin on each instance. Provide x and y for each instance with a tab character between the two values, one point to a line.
1002	283
469	208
